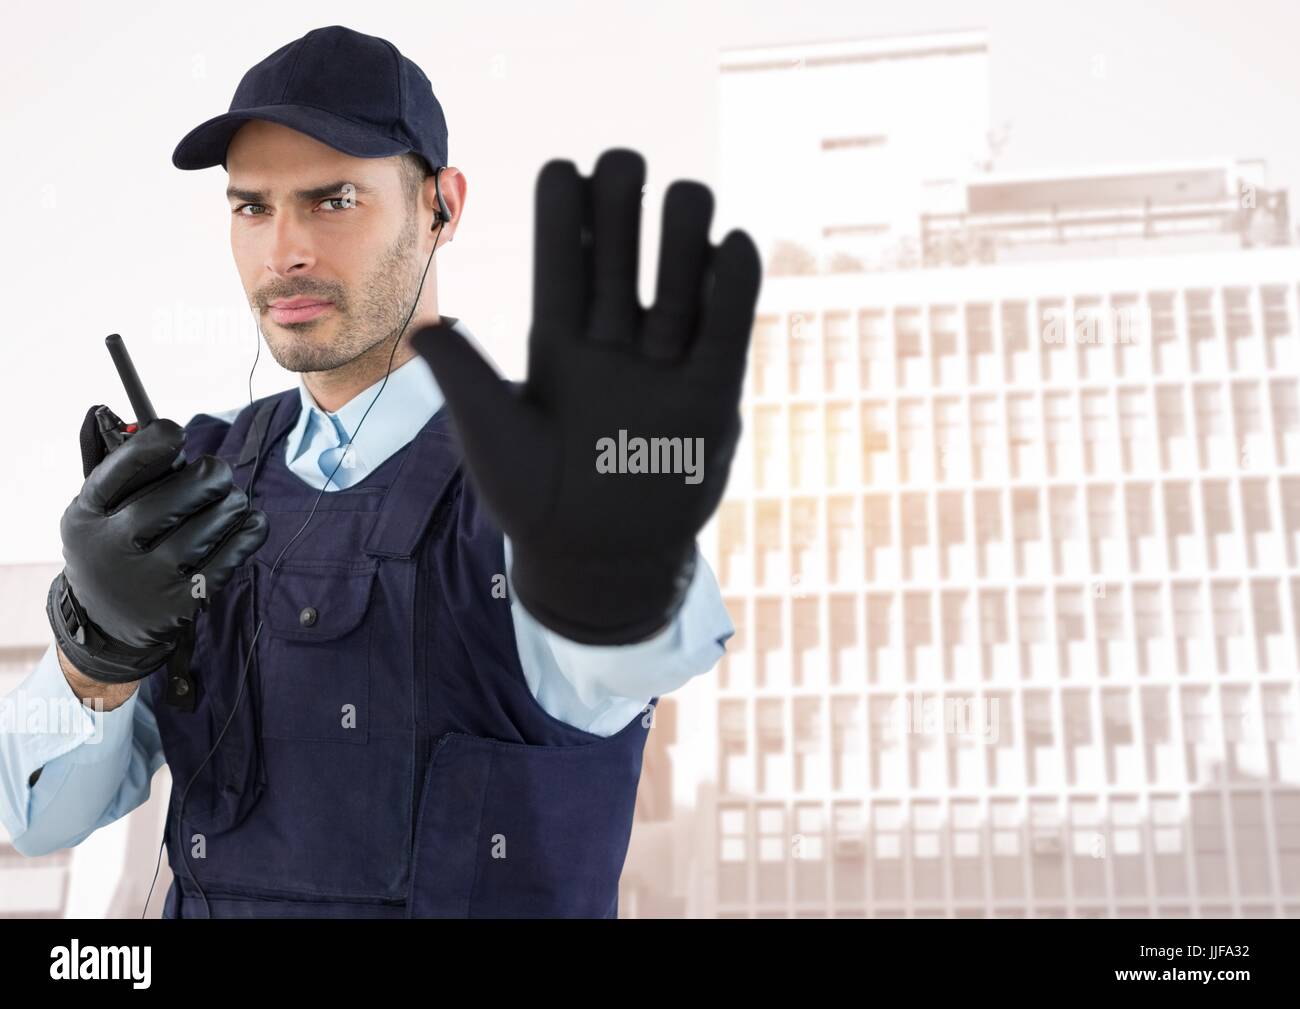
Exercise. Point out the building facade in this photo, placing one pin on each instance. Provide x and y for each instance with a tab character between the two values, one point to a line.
1013	548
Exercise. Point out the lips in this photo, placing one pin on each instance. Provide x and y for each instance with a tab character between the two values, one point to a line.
299	309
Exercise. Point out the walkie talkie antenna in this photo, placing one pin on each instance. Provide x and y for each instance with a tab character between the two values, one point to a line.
144	412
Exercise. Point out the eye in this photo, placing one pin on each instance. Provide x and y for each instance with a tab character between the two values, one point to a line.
244	206
346	201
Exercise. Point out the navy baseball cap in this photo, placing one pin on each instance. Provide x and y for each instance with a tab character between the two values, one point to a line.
354	92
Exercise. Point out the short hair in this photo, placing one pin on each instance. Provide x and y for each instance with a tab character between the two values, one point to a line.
414	171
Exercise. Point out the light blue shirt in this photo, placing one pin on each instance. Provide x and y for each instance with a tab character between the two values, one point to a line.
97	766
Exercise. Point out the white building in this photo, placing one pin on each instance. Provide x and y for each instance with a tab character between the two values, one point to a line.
834	147
1012	541
1093	548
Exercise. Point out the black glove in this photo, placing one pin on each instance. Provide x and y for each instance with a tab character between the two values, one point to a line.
135	539
604	554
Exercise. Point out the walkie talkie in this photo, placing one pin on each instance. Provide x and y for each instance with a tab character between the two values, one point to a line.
182	687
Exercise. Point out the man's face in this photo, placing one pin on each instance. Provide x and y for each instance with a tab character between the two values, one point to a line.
330	272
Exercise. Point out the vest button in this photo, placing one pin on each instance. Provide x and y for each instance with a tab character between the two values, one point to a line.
307	617
180	685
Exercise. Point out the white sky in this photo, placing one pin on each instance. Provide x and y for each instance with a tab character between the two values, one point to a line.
104	235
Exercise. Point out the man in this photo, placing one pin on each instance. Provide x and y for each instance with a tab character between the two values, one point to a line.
398	633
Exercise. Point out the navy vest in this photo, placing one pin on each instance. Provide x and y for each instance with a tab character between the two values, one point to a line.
386	757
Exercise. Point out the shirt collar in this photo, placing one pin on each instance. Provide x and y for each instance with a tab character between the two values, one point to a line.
410	398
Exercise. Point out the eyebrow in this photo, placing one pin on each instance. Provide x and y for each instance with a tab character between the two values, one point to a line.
306	195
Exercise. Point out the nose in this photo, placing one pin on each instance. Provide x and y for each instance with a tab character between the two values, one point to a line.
290	251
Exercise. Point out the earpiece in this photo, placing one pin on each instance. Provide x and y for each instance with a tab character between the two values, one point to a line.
443	214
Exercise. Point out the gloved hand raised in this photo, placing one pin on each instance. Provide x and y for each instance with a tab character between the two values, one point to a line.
603	527
146	541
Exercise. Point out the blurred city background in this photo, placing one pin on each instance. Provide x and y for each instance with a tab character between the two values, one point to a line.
1012	540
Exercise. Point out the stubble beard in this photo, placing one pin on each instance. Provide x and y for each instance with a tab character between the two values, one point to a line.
362	332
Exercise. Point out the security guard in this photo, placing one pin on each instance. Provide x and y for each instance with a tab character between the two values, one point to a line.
353	700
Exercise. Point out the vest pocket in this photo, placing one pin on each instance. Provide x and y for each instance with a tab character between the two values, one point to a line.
230	777
514	830
315	669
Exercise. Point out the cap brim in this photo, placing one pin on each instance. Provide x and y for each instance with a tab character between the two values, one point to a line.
205	145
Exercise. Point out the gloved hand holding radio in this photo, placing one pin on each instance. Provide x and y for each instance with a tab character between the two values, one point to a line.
145	542
604	465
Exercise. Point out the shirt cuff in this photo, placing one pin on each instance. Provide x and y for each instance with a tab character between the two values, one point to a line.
690	645
49	720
